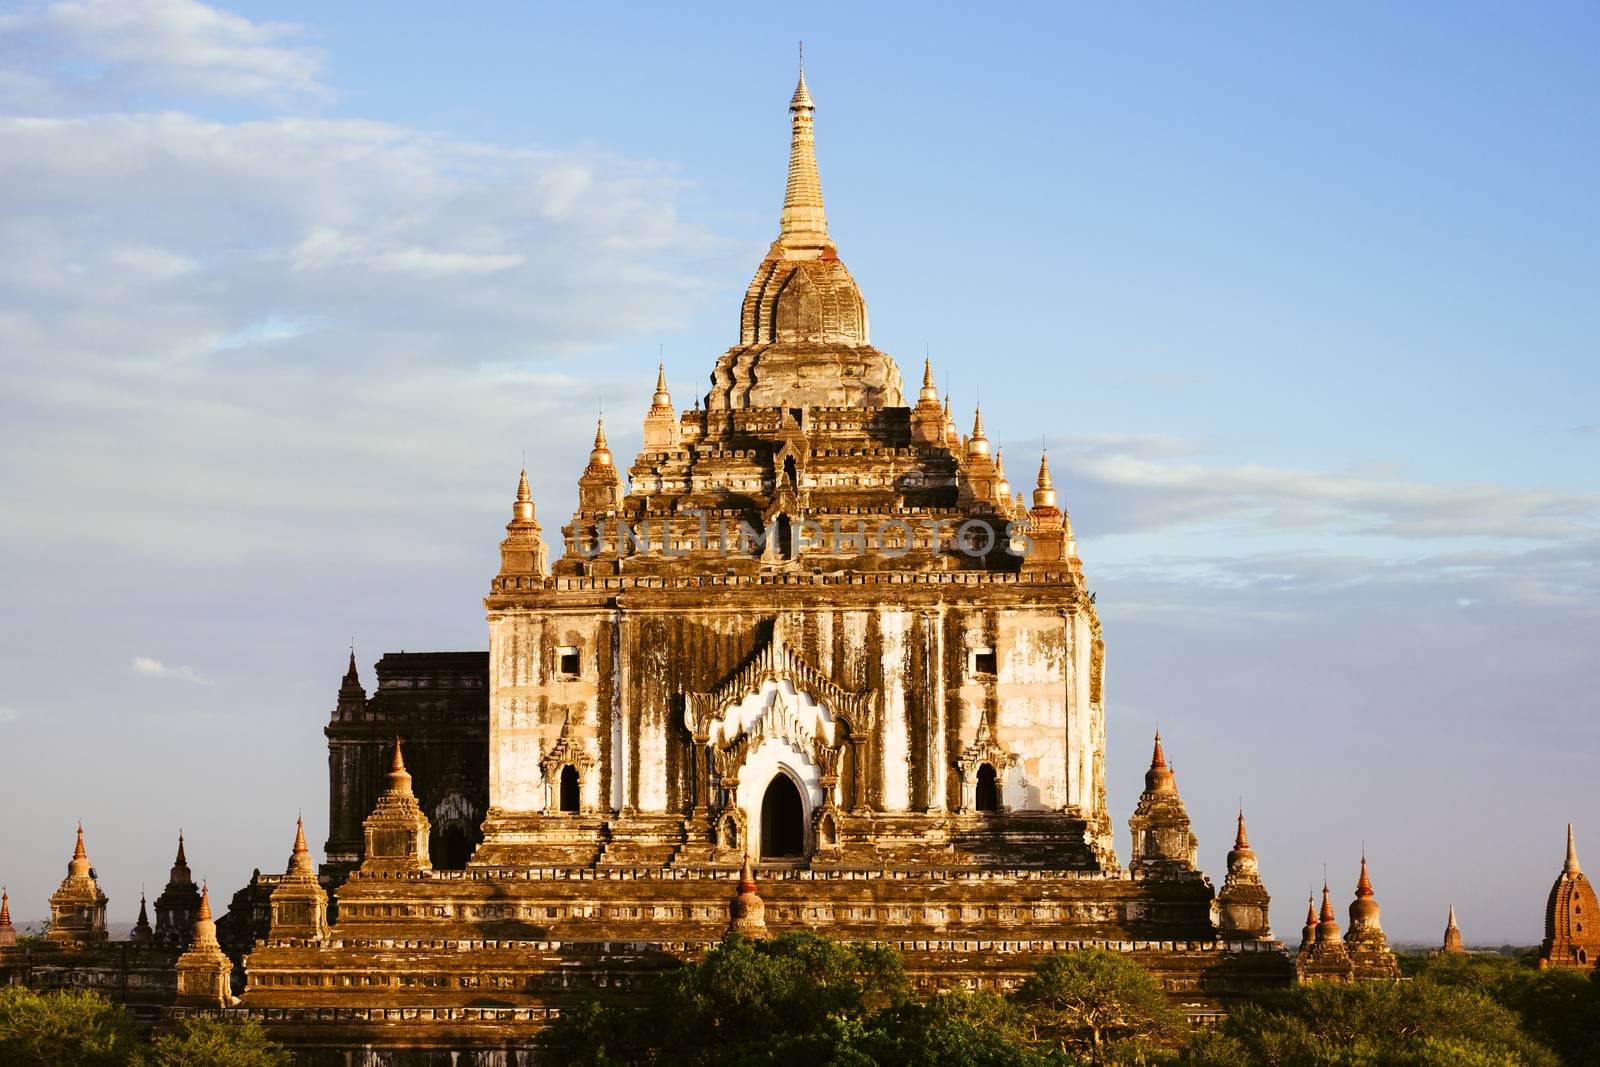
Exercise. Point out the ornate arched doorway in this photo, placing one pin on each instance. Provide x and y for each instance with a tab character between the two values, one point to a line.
783	820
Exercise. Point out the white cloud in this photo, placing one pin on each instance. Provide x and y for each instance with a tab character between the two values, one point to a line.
8	714
100	53
154	668
1155	490
189	306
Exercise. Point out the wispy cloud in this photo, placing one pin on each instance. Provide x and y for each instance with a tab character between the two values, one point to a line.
1157	487
154	668
8	714
98	53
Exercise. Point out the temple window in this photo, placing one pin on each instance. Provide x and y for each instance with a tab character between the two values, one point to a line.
982	661
568	663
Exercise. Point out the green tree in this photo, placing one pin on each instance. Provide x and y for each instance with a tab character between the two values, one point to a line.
956	1029
799	998
1404	1024
201	1042
50	1029
1098	1006
1559	1007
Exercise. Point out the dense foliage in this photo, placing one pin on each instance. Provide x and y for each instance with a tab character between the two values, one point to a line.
801	998
804	999
54	1029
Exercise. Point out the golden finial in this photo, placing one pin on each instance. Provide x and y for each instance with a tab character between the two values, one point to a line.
930	389
300	836
522	510
1240	841
978	444
399	760
804	222
79	854
1045	495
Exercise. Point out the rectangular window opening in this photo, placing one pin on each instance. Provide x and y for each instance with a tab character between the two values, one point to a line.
567	662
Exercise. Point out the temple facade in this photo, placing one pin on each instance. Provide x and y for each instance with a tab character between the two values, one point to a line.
809	639
1571	917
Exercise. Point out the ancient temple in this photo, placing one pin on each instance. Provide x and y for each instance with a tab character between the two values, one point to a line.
1452	936
811	637
1571	933
78	952
1362	954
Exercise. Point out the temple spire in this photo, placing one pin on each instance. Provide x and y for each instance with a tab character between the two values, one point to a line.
522	509
1045	495
1571	866
1364	884
1240	841
300	858
804	222
662	401
1158	758
978	443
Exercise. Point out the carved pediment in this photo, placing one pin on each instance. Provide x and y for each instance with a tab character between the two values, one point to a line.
566	749
797	682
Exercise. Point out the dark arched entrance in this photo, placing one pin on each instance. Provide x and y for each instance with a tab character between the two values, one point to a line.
454	848
987	797
569	788
783	820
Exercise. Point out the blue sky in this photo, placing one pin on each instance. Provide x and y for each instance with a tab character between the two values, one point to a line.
1302	300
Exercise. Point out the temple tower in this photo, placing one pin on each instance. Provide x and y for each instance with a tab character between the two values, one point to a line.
1325	958
803	339
1452	936
142	934
1243	905
746	912
178	906
8	933
78	907
1370	955
1163	844
1571	917
523	554
397	830
299	903
204	968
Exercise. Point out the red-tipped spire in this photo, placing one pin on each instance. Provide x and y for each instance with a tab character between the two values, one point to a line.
747	876
205	902
1158	759
1364	885
1311	909
1327	906
1240	841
